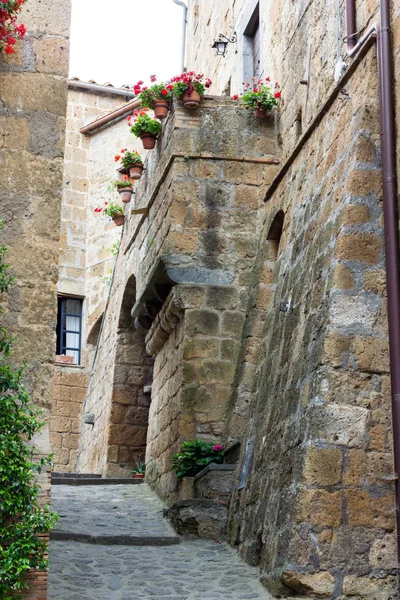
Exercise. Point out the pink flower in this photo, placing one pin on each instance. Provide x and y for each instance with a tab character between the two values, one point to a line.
153	78
218	448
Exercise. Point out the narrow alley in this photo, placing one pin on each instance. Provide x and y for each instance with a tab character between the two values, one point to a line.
112	543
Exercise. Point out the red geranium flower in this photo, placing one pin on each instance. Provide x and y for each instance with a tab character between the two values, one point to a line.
235	97
164	92
9	50
277	95
153	78
117	157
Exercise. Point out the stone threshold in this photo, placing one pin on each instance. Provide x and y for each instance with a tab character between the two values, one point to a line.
114	540
94	481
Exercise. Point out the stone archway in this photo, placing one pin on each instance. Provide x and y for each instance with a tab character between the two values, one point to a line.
131	394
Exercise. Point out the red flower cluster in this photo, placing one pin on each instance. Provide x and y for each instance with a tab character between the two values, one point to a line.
9	30
191	78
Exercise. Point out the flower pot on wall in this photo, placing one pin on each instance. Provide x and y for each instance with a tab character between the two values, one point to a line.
125	194
191	100
138	476
118	220
135	171
261	113
160	108
148	141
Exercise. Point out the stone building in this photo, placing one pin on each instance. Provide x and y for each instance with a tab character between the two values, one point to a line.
247	301
248	297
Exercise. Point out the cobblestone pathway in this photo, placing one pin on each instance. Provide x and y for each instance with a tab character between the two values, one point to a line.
192	570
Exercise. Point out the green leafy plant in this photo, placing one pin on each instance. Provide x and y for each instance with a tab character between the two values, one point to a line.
143	123
111	209
189	82
122	183
129	159
194	456
140	468
23	519
260	96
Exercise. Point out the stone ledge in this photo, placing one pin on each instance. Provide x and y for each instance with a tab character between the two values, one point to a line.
215	467
199	517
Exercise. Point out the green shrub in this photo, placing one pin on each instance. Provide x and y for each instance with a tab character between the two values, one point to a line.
22	519
195	456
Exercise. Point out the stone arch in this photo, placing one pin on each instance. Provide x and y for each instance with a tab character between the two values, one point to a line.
131	392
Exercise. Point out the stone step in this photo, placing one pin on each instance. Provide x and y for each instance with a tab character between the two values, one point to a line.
113	540
94	481
55	475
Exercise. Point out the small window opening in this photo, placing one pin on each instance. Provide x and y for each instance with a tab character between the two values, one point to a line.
274	236
252	48
69	328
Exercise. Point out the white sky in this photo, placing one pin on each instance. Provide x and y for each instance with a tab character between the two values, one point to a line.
123	41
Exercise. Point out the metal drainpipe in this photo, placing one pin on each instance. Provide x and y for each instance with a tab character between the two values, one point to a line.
185	11
389	178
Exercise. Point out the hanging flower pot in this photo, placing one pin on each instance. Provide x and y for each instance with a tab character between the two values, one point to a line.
148	141
160	108
191	100
146	128
135	171
125	194
118	219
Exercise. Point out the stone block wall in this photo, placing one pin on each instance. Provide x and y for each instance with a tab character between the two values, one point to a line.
318	508
69	389
33	92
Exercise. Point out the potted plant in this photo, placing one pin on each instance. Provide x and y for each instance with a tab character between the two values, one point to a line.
194	456
260	98
190	87
156	97
145	127
125	189
140	471
131	162
113	210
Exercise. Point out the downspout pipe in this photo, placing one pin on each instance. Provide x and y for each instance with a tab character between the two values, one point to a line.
389	179
184	28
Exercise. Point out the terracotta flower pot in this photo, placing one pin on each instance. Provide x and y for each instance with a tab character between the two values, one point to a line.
191	100
148	141
261	113
125	194
135	171
160	108
118	219
138	476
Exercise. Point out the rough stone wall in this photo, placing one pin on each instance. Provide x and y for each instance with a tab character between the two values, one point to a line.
318	509
33	93
194	214
298	41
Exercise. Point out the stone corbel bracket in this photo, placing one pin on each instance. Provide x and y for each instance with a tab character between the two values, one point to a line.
180	298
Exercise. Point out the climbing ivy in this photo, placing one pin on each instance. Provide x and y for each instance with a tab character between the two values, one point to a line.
22	518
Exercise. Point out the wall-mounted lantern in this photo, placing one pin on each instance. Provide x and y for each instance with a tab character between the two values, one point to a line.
221	44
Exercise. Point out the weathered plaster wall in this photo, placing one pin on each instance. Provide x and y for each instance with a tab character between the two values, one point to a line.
318	509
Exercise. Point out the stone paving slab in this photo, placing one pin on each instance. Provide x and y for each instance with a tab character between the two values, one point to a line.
110	510
194	570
